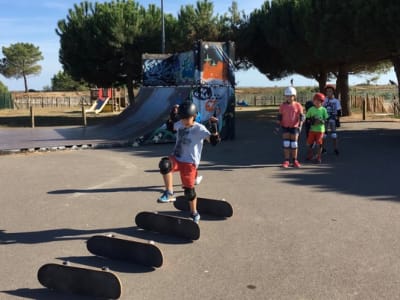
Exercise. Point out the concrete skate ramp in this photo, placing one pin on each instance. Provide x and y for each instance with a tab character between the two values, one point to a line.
151	109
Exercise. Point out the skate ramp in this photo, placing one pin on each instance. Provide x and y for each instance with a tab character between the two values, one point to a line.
150	111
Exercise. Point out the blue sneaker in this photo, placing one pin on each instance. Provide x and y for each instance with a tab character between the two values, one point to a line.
166	197
195	217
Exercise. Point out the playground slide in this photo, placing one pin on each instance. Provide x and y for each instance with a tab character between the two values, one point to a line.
98	105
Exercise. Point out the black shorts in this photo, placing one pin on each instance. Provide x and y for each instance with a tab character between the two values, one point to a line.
291	130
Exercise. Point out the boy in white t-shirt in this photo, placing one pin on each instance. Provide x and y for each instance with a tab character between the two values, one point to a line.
186	156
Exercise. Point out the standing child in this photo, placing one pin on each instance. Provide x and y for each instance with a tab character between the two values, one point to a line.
173	118
307	125
186	156
334	110
316	116
290	118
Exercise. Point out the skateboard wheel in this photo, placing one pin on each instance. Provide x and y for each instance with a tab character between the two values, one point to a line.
151	242
66	263
105	268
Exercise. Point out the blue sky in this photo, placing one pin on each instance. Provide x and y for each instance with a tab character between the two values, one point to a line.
35	21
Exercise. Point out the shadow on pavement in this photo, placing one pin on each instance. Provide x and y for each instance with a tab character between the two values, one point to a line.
65	234
42	294
113	265
366	166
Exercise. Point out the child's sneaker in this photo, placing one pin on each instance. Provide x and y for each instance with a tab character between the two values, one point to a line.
166	197
318	160
296	164
285	164
198	180
195	217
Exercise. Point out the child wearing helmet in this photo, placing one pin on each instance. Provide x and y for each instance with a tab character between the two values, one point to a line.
173	118
290	119
186	156
334	110
316	116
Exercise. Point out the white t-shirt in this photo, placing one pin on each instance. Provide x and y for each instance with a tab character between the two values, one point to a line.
332	106
189	142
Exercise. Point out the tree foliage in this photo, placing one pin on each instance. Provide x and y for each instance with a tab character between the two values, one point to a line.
64	82
321	39
103	43
20	60
3	88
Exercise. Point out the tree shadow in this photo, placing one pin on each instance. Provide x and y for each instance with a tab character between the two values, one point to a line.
366	166
43	294
66	234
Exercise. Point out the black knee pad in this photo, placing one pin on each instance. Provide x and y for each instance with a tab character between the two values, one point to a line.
190	194
165	165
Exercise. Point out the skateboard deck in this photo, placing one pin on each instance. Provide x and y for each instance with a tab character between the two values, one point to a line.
219	208
116	248
82	281
176	226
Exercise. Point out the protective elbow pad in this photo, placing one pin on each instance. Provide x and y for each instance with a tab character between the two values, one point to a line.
214	139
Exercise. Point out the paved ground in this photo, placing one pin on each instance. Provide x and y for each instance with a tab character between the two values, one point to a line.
325	231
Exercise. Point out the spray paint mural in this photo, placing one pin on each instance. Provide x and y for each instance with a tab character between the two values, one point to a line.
208	70
168	69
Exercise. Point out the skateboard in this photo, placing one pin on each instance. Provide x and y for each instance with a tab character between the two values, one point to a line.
219	208
116	248
78	280
176	226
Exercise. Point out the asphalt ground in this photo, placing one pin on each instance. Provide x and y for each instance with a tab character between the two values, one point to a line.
328	231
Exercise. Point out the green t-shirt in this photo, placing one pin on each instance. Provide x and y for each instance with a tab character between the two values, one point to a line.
320	114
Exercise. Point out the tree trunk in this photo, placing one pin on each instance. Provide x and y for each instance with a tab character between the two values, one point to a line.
396	64
25	83
131	95
322	79
342	88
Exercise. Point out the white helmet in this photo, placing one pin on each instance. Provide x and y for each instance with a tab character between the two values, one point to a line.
290	91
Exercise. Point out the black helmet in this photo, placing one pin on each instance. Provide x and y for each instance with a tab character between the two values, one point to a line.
187	109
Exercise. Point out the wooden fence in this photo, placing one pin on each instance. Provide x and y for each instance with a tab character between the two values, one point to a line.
374	104
267	100
50	99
